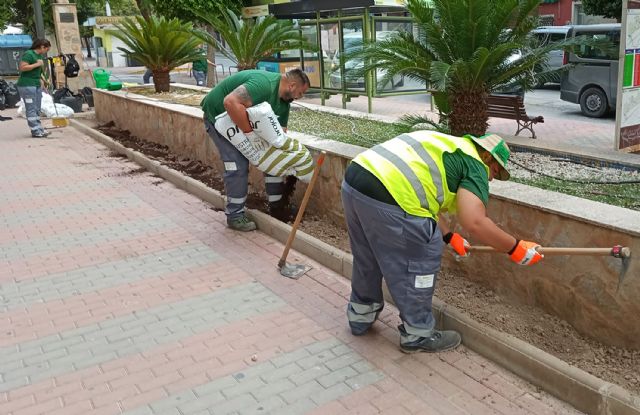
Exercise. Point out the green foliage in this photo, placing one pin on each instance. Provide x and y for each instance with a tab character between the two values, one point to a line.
6	13
160	44
466	49
249	41
22	12
191	10
605	8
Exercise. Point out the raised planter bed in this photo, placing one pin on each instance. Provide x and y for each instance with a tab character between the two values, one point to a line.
580	290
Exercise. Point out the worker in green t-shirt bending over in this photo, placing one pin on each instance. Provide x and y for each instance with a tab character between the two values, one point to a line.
30	84
394	195
234	95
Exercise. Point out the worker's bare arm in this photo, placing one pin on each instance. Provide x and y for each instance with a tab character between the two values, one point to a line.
473	218
236	104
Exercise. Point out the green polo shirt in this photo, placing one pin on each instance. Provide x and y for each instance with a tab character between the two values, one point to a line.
262	86
200	65
32	77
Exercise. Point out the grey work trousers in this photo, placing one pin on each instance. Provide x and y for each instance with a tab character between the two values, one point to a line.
32	97
404	249
200	77
236	175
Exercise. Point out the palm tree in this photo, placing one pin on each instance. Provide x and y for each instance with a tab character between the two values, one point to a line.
251	40
160	44
466	50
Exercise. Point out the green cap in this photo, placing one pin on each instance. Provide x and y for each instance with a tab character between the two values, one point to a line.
495	145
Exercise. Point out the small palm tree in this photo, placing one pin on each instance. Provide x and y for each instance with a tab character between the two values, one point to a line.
159	44
466	50
251	40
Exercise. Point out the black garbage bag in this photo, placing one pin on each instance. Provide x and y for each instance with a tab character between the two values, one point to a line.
2	101
71	67
4	86
87	94
63	92
11	95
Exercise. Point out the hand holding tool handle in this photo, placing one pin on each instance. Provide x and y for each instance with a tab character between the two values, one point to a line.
617	251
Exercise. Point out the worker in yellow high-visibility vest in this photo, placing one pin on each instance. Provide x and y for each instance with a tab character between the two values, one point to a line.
393	196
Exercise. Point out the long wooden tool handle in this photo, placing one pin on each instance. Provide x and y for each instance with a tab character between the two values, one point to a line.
563	251
303	205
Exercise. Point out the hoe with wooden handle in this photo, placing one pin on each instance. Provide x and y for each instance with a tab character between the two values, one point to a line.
617	251
296	271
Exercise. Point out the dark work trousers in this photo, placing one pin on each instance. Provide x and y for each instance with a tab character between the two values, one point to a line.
404	249
236	175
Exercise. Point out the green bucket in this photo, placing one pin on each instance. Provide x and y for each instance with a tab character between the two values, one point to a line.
102	78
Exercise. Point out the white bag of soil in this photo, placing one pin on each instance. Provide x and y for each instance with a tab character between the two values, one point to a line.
289	157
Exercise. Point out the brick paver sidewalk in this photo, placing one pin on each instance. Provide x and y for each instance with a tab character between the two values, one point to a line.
121	294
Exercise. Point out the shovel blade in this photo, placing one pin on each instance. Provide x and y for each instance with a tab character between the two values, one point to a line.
294	271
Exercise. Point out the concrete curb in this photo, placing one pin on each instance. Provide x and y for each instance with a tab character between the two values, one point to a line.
584	391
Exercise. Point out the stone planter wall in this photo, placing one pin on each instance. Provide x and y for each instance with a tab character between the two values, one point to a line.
578	289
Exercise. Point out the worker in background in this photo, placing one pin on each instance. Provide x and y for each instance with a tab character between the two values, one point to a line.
30	84
200	67
394	195
234	95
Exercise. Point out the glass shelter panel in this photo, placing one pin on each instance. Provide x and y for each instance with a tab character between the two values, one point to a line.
352	39
311	59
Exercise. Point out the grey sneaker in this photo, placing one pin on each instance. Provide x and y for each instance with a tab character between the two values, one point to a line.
439	341
241	223
39	134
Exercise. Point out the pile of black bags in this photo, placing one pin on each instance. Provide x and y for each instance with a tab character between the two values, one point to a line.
9	96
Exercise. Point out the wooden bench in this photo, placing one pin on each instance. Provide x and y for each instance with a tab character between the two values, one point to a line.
512	107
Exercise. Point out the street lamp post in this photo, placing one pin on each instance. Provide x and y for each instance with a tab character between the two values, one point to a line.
37	11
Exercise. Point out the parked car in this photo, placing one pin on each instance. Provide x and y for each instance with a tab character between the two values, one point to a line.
550	34
352	41
592	80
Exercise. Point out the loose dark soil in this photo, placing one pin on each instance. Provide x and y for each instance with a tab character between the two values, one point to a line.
532	325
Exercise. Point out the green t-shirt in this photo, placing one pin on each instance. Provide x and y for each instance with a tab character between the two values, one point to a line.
200	65
464	171
32	77
262	86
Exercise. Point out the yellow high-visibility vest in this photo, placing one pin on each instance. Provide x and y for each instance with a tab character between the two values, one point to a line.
411	168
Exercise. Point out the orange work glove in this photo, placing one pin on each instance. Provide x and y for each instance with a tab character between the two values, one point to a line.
458	243
525	253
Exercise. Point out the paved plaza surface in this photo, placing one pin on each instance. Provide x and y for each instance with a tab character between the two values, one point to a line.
120	293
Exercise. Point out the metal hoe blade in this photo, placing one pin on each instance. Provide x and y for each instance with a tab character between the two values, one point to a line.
294	271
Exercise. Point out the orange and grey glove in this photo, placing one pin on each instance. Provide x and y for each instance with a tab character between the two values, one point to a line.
458	243
525	253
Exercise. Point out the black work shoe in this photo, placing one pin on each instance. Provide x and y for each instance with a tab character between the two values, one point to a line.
439	341
241	223
359	329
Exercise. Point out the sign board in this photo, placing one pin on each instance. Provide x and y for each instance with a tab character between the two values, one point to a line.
67	17
255	11
105	20
399	3
628	103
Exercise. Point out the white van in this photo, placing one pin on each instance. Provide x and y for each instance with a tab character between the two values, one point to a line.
592	79
550	34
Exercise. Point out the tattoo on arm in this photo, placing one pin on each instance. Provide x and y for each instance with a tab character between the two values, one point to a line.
243	95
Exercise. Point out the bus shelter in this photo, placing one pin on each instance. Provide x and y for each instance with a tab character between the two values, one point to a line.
337	27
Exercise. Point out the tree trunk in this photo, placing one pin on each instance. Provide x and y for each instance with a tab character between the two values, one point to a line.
144	9
211	55
468	113
88	44
161	80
